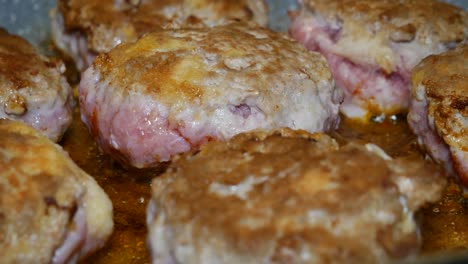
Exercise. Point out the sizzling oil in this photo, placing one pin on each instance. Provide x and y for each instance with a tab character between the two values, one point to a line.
444	224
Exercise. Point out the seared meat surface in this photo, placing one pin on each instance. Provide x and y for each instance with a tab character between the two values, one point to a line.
372	46
174	90
289	197
83	28
439	109
32	88
50	210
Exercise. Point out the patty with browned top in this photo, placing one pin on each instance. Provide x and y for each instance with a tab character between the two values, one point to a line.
174	90
84	28
439	109
32	87
289	197
51	211
372	46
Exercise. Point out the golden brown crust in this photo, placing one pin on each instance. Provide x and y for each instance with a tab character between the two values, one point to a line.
107	23
50	209
20	63
192	65
38	196
445	78
428	21
286	188
32	87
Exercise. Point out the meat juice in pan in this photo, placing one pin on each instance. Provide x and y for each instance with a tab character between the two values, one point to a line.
443	227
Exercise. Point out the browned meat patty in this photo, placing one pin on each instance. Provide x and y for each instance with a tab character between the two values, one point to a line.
372	46
83	28
439	109
50	210
174	90
289	197
32	88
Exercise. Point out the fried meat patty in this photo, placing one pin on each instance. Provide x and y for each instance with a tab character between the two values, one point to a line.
174	90
83	28
289	197
439	109
50	210
372	46
32	87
